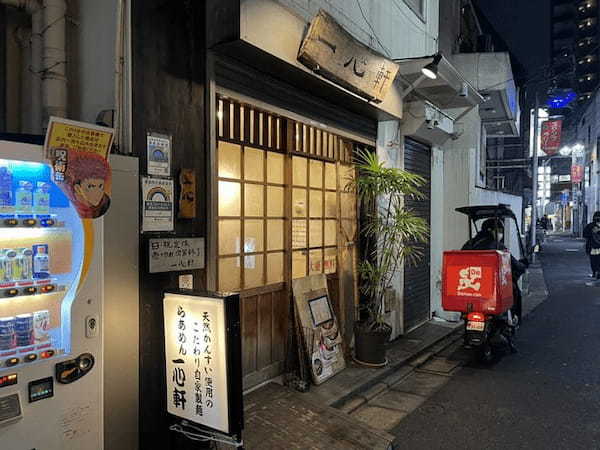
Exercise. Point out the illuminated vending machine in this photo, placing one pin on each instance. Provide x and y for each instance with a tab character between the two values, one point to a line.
50	311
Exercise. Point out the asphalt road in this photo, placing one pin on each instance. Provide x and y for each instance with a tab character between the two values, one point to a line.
545	397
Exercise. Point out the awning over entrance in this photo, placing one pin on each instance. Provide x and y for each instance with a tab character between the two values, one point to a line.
449	91
491	74
432	106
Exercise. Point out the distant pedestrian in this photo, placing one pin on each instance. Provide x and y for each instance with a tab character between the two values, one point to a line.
591	233
545	222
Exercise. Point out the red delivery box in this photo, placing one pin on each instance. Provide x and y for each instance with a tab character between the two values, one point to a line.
477	281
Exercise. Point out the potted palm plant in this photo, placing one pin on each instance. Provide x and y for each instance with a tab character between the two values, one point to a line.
391	235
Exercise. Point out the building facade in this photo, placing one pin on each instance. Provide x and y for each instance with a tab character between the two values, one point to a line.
574	45
271	141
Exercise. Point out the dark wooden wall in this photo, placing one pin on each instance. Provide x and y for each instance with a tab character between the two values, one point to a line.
168	96
3	86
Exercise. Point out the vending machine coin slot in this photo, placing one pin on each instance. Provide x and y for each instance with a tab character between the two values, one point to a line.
70	371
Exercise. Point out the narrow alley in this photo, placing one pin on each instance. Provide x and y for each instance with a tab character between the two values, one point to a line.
545	397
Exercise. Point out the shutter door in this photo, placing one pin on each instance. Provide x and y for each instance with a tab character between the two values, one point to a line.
417	159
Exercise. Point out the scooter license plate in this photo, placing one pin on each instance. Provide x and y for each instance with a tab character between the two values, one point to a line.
475	326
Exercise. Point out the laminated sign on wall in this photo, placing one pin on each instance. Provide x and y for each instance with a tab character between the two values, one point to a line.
159	154
157	195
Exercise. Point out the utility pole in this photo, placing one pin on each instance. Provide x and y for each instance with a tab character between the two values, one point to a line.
534	188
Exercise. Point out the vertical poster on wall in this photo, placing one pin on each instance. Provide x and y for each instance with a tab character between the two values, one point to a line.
158	147
319	327
157	204
78	153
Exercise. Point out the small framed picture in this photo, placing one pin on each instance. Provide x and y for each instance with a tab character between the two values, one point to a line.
320	310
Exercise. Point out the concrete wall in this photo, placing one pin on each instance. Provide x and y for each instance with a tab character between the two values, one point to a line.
90	46
402	33
91	56
589	138
450	17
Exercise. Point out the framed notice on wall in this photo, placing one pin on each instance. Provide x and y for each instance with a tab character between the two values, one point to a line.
203	360
157	203
158	148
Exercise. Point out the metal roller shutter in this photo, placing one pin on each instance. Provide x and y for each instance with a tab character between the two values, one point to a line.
417	159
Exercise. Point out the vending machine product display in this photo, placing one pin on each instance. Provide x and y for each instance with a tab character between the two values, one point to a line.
50	310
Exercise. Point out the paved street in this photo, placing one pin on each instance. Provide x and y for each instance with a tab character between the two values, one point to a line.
547	396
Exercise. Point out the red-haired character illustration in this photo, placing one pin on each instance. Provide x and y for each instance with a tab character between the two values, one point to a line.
87	183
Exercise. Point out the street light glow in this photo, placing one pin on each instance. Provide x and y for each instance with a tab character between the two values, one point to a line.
565	151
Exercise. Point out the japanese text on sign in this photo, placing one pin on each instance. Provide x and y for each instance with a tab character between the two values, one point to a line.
77	136
195	358
551	134
174	254
159	154
157	195
335	54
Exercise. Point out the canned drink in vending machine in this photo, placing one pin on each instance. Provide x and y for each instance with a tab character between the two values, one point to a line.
12	266
7	333
24	329
41	325
25	257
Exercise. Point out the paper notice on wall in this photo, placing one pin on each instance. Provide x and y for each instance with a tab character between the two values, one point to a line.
158	147
175	254
157	195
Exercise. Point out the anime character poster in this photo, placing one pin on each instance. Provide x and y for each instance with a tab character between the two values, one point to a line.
78	152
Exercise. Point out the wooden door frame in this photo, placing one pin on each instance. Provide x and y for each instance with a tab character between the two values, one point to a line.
347	305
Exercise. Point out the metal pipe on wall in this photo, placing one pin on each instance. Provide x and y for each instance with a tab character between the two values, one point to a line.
54	60
33	8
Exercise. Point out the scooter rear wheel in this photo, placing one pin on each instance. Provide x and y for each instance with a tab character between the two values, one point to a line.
485	353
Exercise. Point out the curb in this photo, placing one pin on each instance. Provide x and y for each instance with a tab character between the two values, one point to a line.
394	373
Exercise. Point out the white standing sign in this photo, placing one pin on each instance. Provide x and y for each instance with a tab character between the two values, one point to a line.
196	364
158	147
157	195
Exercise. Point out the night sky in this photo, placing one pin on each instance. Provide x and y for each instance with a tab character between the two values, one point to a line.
525	26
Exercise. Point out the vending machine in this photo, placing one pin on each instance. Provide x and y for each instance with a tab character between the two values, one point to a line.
51	300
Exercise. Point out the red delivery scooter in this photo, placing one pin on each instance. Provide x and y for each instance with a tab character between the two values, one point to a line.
479	284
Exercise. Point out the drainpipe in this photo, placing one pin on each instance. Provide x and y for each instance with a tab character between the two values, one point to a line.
119	60
54	60
34	8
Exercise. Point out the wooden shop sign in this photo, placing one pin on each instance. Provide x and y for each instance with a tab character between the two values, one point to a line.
332	52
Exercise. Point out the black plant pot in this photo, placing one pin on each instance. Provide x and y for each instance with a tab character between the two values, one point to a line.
369	345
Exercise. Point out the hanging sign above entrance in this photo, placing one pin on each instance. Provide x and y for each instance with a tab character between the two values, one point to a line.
334	53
